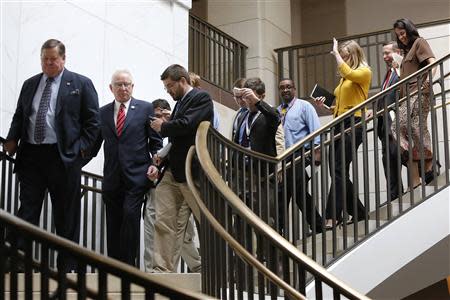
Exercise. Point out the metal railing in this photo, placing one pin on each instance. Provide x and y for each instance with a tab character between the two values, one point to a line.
93	211
128	280
93	220
274	188
245	256
308	64
214	55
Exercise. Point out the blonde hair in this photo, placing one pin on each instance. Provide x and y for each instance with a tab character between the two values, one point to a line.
195	79
356	56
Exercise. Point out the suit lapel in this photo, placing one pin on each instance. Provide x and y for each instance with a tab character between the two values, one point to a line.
109	118
32	92
64	87
180	105
130	114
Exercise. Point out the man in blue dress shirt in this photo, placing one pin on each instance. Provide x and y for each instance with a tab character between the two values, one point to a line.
299	119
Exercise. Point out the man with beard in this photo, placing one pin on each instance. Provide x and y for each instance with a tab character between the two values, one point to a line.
299	119
172	193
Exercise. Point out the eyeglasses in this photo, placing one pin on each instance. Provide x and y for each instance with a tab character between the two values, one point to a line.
122	84
285	87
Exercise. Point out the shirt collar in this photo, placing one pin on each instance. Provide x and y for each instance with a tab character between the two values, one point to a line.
126	103
187	92
56	79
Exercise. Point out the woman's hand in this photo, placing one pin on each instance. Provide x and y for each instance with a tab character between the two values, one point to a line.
335	50
319	101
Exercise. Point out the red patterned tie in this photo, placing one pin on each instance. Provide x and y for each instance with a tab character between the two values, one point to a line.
120	119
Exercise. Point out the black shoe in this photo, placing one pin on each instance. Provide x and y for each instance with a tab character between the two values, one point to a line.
430	175
20	266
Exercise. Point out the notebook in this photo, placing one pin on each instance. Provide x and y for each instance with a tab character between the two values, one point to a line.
319	91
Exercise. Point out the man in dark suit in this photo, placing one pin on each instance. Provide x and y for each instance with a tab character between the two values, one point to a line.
172	193
259	126
242	111
54	126
388	144
129	140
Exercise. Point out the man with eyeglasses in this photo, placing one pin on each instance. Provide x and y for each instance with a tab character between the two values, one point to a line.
128	142
172	193
299	119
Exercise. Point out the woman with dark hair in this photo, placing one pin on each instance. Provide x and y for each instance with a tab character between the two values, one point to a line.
416	55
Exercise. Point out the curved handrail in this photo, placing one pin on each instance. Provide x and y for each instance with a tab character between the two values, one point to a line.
356	36
259	225
360	106
107	264
229	239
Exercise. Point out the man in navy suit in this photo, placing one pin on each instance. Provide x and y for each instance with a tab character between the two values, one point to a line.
54	126
129	141
389	146
174	200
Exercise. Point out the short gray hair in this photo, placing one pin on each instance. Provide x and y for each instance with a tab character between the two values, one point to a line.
116	73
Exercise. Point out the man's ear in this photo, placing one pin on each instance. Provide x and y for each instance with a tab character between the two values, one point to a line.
261	97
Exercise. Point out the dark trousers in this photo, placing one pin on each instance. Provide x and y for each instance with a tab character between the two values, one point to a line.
302	198
123	211
340	169
389	149
41	168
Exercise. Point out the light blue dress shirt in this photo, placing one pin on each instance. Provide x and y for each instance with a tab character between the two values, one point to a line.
50	131
300	120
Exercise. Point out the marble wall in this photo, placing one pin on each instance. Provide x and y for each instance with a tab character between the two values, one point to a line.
100	37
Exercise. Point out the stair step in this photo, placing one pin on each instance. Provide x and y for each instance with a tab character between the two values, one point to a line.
189	281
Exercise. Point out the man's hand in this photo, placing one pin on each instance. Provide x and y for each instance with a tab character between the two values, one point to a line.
156	123
157	160
317	157
152	173
10	147
249	96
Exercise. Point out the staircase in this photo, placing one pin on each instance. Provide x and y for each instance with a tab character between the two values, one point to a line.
189	282
240	192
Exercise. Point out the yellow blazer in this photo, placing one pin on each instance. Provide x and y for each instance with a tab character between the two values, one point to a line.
352	89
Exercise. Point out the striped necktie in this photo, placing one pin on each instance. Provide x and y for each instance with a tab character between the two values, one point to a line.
120	119
41	115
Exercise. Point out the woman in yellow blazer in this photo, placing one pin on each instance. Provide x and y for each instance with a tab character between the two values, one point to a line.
352	90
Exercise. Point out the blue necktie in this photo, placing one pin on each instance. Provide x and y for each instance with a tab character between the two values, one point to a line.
41	116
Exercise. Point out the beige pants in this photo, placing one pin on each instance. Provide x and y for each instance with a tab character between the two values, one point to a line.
173	204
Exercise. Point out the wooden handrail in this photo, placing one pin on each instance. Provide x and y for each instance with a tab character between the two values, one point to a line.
241	251
263	228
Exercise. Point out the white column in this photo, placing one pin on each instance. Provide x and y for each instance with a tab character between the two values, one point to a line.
262	26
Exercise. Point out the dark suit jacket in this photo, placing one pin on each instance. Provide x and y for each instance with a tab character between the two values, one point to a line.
389	98
76	116
263	130
237	122
196	107
127	157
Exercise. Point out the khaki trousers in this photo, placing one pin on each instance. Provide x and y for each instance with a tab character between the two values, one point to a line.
173	204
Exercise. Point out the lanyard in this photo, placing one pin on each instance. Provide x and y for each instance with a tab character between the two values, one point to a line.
247	127
284	110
